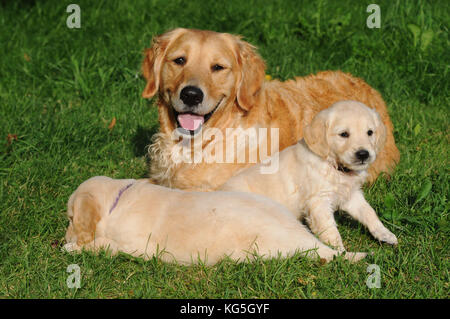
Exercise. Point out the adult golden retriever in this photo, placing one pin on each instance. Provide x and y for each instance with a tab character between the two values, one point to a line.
206	79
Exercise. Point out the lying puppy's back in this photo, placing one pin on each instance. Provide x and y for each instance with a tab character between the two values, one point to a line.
148	220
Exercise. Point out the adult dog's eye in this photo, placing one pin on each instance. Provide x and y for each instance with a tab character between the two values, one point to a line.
369	132
217	67
180	61
344	134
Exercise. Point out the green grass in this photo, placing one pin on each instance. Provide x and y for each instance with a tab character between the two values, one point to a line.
60	88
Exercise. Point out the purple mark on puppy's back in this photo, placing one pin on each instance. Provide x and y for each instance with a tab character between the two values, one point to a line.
118	197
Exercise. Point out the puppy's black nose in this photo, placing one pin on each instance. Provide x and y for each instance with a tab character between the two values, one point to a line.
362	155
191	95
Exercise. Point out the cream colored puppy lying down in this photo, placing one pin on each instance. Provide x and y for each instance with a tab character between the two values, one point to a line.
325	171
142	219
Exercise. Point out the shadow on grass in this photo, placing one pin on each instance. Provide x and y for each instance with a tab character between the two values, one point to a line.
142	139
140	142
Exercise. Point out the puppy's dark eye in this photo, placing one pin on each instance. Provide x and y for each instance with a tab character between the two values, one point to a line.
344	134
217	67
180	61
369	132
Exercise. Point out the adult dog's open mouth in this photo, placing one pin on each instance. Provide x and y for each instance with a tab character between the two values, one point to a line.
190	123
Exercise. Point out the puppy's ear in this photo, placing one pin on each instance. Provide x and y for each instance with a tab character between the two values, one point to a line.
315	135
380	131
154	57
252	72
85	216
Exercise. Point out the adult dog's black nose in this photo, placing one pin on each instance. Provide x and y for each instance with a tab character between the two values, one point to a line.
191	95
362	155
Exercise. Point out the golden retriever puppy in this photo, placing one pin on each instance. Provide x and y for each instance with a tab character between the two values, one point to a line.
144	220
325	171
206	80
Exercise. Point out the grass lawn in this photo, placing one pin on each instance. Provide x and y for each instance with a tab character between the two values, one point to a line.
60	89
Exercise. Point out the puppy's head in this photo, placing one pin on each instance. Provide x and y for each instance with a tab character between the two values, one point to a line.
199	75
88	204
348	133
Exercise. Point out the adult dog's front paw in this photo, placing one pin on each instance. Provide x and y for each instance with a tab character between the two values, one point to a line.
384	235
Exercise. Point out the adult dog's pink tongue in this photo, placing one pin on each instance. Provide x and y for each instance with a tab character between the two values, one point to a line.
190	122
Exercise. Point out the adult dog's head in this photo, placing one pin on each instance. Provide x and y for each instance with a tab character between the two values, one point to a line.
199	76
348	133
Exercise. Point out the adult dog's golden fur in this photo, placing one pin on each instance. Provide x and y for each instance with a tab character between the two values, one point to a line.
243	99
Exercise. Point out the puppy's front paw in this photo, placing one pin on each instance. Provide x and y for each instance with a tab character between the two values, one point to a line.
355	257
384	235
332	239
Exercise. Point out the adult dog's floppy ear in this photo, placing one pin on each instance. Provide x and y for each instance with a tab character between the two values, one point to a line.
252	72
380	131
315	135
154	56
